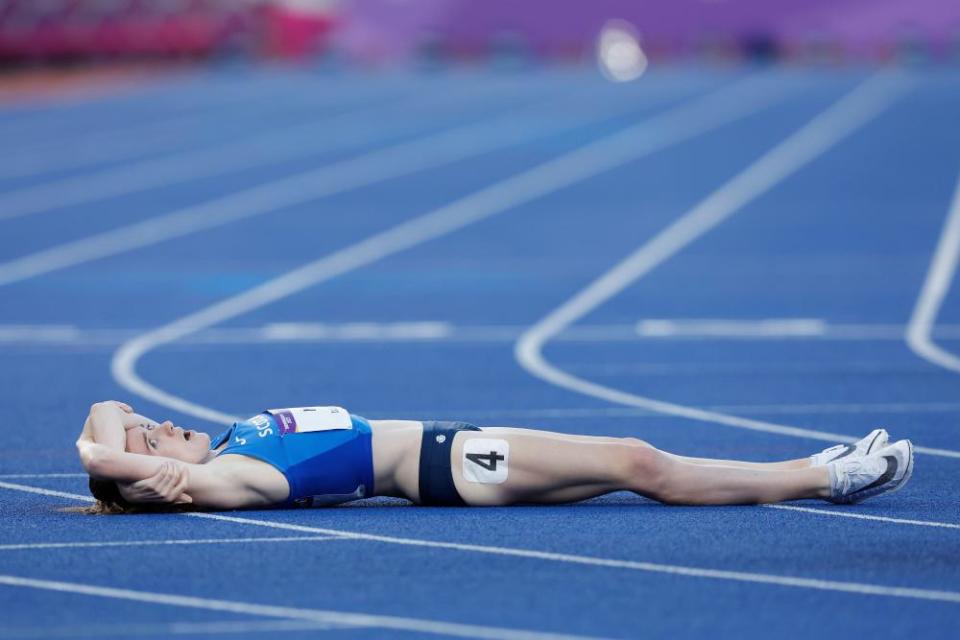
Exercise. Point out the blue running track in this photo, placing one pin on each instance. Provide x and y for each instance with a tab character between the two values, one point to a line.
437	221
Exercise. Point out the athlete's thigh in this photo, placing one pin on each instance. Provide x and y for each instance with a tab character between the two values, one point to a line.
503	465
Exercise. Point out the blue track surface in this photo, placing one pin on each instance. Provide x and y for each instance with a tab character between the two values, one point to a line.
844	242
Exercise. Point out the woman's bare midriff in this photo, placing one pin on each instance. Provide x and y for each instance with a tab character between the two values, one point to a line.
396	458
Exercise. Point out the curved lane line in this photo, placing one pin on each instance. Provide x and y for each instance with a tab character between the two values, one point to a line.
651	135
919	334
813	139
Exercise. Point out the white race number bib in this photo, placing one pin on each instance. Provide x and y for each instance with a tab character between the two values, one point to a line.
486	461
307	419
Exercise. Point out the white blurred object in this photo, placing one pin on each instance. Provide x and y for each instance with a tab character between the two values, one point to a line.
322	7
619	55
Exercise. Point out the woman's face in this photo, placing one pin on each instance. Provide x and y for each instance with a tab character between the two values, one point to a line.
169	441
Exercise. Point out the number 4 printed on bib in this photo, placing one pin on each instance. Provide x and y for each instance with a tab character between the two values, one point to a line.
486	461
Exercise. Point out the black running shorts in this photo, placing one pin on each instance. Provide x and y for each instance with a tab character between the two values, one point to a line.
436	475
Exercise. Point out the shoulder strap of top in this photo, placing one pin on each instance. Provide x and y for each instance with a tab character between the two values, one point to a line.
223	437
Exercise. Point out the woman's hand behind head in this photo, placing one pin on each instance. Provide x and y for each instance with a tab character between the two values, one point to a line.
166	486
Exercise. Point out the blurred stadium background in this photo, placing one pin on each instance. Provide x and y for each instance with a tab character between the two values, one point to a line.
386	32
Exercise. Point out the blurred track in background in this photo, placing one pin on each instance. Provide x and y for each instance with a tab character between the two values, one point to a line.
732	261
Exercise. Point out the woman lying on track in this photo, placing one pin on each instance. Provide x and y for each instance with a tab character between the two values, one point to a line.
315	456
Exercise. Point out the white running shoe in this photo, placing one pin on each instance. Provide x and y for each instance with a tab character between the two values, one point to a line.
873	441
854	478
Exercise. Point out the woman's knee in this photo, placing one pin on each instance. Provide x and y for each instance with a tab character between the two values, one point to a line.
647	468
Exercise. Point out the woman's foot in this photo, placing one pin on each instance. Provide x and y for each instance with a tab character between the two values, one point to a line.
873	441
856	478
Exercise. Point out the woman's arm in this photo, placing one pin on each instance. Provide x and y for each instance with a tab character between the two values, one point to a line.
220	486
102	448
167	486
108	422
104	425
103	430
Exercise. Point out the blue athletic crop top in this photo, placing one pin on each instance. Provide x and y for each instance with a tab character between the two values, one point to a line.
323	465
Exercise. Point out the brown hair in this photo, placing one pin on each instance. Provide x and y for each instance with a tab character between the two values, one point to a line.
111	502
109	499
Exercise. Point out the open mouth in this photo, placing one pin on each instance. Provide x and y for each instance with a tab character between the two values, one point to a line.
187	435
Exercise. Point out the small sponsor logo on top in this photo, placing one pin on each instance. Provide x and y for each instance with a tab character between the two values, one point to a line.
288	423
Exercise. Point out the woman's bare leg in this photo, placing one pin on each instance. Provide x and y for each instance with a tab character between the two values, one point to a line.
877	438
801	463
545	467
706	484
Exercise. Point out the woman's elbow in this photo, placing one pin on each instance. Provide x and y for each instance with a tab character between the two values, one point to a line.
96	459
85	449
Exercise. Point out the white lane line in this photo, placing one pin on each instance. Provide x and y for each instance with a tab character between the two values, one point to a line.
350	331
45	492
416	331
393	161
151	138
42	475
162	629
935	288
168	139
826	512
651	567
651	135
631	412
51	333
812	140
880	407
636	412
348	130
153	543
100	147
718	328
60	123
322	616
863	516
727	367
